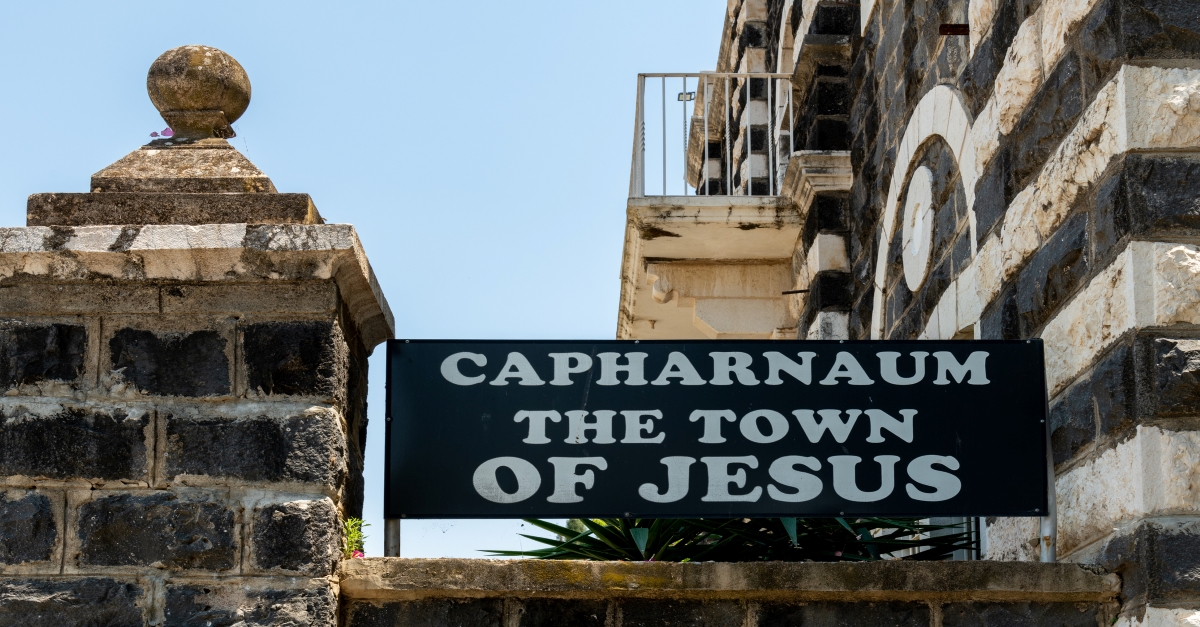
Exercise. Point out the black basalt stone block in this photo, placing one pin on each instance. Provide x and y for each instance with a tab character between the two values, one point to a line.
74	443
305	449
1114	389
754	35
91	602
303	358
860	318
758	139
1163	193
300	536
979	77
216	605
1000	321
1110	222
828	614
27	529
829	134
160	528
1014	613
1100	48
838	19
831	290
936	281
1174	570
830	211
945	228
555	612
832	97
960	255
758	89
30	353
1052	114
1161	29
428	613
990	203
172	364
1053	274
1157	562
1176	374
666	613
1072	421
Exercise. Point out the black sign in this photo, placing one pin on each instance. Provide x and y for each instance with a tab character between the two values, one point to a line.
669	429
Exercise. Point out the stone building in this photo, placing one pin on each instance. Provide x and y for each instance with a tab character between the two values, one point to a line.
957	169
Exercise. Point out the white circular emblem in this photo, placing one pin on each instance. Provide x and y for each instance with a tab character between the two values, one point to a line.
917	236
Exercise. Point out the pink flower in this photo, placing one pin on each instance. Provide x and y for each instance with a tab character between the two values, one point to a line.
167	132
154	134
357	555
839	553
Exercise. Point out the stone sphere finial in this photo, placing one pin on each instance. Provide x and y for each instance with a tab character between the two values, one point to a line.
199	91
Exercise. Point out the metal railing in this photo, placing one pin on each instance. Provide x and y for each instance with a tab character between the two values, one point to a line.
724	121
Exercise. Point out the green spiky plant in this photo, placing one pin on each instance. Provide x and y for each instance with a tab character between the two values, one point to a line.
352	529
747	540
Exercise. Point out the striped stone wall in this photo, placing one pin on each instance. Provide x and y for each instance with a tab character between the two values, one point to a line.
1059	143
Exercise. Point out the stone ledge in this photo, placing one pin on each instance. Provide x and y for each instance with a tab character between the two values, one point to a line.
409	579
169	208
813	171
714	227
225	253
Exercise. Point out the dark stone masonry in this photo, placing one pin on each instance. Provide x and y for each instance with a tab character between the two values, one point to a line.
425	593
183	364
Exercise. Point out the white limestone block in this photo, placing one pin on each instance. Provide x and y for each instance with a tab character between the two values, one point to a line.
1151	616
1176	293
1019	236
1163	107
926	116
985	134
830	325
1013	539
1090	322
1058	19
1021	76
755	10
1080	159
866	9
828	252
1149	284
958	129
968	306
989	261
980	15
1155	473
917	225
947	313
877	315
738	318
930	332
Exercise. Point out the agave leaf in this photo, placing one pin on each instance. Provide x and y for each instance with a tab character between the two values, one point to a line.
640	536
789	525
757	539
551	527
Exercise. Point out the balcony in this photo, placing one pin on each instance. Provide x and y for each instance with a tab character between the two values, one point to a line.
712	216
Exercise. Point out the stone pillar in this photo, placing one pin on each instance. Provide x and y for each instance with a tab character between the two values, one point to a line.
183	367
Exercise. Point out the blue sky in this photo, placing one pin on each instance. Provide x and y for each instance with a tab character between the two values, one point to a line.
480	148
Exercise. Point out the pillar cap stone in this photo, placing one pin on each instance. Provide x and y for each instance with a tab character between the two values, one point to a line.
192	177
199	91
